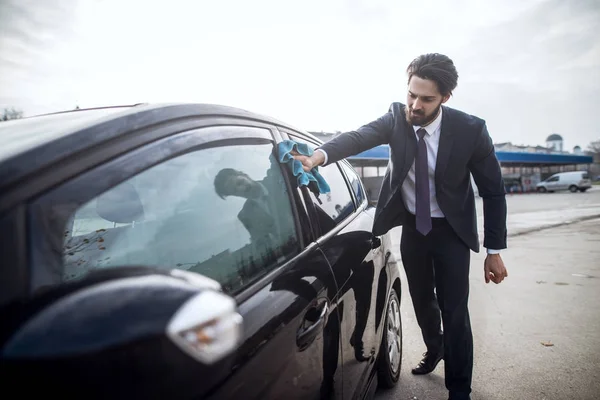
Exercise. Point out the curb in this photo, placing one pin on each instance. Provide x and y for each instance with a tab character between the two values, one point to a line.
550	226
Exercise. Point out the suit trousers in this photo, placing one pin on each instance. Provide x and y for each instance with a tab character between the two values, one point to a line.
437	269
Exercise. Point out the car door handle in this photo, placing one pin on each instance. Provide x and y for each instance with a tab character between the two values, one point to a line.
313	324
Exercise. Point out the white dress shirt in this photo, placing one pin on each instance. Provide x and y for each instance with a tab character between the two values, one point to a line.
432	140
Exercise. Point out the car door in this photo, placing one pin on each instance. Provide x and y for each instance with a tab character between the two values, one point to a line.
585	180
552	183
561	182
347	241
216	202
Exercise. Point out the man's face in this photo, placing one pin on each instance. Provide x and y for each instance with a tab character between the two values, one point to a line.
423	101
240	185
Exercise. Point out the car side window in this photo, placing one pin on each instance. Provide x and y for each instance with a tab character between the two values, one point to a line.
337	205
209	211
554	179
355	183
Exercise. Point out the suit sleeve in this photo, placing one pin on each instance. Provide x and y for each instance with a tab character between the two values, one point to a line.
485	167
366	137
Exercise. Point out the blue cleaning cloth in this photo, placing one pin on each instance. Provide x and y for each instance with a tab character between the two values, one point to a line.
304	178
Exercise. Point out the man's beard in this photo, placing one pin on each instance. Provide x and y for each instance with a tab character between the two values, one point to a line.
421	119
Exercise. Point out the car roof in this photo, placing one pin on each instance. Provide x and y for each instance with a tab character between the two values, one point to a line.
31	143
19	135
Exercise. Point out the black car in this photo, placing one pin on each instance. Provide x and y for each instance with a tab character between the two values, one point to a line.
165	251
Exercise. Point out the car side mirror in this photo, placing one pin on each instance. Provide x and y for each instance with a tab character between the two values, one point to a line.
125	332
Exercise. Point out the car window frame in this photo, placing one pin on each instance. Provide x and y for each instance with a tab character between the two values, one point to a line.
338	164
320	236
357	206
13	254
129	164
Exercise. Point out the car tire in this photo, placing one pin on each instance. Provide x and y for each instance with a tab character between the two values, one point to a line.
390	353
573	189
542	189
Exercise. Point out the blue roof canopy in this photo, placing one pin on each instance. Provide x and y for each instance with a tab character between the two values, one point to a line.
383	152
542	158
376	153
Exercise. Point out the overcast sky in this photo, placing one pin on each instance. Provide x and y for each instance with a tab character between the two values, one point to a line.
528	67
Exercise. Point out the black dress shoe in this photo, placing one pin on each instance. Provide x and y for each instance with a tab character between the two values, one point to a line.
428	363
459	396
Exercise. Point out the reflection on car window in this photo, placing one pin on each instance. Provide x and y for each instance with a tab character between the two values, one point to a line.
211	211
355	183
336	204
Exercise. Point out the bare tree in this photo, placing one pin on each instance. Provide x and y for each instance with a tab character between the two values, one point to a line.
594	151
594	147
11	113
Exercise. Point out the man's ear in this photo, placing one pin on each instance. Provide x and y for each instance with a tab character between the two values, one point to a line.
446	98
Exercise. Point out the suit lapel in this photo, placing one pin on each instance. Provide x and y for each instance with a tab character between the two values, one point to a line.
411	149
410	146
445	145
405	138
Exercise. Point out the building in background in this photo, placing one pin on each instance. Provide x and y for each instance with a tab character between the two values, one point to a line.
523	167
555	143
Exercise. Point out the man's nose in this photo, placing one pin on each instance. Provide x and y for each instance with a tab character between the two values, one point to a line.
416	105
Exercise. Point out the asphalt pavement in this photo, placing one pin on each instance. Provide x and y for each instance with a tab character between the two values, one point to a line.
537	334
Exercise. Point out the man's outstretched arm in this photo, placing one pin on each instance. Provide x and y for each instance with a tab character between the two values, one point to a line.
350	143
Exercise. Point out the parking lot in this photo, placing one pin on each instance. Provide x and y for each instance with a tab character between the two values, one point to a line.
537	335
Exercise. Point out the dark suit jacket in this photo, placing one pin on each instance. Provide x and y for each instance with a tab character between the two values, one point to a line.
465	147
257	220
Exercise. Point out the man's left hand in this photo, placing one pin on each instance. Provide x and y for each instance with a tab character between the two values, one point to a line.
494	269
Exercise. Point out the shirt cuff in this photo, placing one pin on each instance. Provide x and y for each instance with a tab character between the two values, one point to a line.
492	251
325	154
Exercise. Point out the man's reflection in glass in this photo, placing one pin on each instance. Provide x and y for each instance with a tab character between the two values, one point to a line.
256	214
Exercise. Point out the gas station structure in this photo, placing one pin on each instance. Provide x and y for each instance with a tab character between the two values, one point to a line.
523	167
522	171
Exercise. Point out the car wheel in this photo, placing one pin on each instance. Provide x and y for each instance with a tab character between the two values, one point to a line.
573	189
390	354
541	189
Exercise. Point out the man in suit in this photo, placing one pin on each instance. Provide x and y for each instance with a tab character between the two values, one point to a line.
427	189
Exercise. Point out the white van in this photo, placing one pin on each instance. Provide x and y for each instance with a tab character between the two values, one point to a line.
572	181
